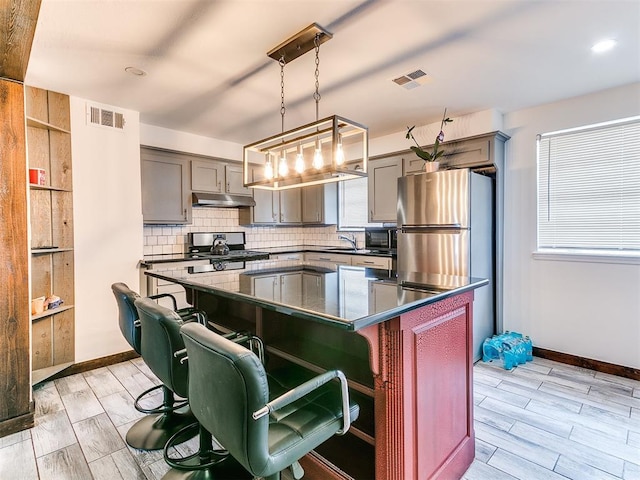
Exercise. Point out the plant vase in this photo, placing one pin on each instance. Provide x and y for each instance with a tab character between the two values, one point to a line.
429	167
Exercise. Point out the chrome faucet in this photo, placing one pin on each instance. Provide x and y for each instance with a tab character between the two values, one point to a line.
351	238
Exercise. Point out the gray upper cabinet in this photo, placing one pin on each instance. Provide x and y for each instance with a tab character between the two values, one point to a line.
207	176
290	205
235	181
320	204
411	163
166	193
217	177
272	207
383	188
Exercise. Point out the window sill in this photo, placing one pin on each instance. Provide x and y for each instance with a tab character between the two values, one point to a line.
586	256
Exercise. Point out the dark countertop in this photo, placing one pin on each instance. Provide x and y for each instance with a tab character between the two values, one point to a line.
345	296
184	257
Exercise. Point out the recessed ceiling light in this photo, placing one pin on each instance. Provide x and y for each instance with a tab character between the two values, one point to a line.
603	45
135	71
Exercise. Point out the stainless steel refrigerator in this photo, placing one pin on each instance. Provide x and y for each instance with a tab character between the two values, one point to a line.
445	226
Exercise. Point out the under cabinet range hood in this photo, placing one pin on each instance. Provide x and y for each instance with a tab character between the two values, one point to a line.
203	199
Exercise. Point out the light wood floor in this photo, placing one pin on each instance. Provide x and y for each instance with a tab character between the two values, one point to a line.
543	420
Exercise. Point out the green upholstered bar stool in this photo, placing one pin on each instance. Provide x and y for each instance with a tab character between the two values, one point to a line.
152	431
229	394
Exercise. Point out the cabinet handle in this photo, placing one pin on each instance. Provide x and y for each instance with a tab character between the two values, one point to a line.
220	185
228	187
368	263
282	217
323	258
185	214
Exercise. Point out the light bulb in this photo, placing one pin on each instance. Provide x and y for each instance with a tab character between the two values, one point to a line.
299	165
283	168
339	152
268	168
318	161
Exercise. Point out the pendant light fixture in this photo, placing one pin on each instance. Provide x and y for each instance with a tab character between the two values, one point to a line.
328	150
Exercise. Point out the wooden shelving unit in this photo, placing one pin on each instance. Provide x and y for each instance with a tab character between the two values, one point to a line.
51	218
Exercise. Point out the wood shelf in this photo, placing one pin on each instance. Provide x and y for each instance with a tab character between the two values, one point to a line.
53	311
48	119
34	122
357	386
44	251
33	186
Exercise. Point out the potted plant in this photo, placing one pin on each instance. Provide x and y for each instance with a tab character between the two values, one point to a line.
430	158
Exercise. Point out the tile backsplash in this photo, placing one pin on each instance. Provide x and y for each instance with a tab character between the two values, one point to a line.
159	239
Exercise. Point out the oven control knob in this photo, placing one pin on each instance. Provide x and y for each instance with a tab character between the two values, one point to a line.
218	266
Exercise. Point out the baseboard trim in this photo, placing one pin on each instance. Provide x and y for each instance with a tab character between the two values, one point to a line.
17	424
597	365
96	363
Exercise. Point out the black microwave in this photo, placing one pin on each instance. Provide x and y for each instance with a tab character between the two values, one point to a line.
381	239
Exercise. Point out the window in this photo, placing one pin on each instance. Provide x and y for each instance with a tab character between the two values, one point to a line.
589	189
352	205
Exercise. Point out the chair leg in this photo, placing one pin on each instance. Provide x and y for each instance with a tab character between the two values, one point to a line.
153	431
205	464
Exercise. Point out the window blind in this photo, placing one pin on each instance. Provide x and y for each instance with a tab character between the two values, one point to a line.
589	188
352	204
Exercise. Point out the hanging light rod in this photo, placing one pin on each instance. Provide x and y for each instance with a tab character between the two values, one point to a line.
321	155
301	43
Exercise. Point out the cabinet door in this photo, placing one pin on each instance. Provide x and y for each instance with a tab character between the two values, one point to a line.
382	296
207	176
412	164
165	189
312	204
235	180
320	204
291	288
290	206
383	188
267	206
267	287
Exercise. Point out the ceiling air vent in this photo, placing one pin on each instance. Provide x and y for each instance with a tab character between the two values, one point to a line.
104	117
412	80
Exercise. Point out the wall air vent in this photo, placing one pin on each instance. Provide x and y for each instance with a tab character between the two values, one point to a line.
412	80
104	117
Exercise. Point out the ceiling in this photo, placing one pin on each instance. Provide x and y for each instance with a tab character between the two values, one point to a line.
208	72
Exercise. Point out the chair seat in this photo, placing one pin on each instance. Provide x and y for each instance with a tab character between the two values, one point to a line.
303	419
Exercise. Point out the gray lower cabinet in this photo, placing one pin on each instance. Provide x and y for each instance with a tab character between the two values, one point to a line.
285	287
166	192
383	188
320	204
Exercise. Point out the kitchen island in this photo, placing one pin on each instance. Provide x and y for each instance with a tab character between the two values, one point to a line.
405	349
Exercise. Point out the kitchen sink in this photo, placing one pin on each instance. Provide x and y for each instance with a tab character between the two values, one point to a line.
345	249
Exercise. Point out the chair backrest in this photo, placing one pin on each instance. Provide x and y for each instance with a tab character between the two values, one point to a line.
227	383
160	340
127	314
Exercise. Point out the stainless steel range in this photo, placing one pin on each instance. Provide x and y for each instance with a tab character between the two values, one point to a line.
225	250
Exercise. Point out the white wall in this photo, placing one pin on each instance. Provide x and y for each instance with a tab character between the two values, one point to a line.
477	123
187	142
586	309
107	227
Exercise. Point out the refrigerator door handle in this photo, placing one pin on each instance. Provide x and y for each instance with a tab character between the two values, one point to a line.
452	229
430	225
